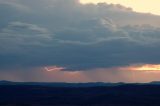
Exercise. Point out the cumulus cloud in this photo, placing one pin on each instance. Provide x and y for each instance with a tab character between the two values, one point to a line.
18	35
14	4
145	34
76	36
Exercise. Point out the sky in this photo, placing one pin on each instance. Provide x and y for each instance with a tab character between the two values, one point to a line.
71	41
145	6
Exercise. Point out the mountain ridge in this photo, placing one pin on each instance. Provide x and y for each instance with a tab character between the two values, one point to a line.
66	84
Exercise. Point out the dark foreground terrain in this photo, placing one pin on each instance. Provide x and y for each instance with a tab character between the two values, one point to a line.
40	95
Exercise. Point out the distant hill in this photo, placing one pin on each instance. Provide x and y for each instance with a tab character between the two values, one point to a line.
63	84
4	82
38	95
155	82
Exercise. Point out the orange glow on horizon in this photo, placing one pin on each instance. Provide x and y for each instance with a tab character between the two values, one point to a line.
148	67
144	67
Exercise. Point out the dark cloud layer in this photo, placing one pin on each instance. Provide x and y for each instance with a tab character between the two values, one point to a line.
37	33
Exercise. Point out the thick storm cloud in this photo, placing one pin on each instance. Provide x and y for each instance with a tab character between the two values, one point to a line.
39	33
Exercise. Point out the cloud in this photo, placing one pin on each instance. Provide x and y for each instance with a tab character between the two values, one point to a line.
76	36
14	4
18	35
145	34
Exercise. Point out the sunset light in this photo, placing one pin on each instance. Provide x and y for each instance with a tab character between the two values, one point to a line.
144	67
145	6
148	67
